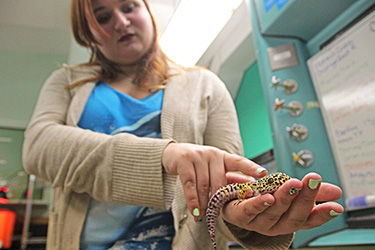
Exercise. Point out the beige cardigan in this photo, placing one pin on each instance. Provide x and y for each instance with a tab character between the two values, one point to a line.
124	168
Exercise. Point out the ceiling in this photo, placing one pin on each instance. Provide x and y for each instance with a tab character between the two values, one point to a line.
233	50
43	26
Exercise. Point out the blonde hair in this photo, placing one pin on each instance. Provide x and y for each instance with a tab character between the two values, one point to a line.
154	63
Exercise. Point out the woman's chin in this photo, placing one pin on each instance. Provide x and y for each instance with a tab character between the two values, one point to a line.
129	58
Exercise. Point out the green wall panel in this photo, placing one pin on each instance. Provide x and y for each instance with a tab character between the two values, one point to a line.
252	114
21	77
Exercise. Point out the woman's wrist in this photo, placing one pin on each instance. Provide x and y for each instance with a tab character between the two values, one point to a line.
165	158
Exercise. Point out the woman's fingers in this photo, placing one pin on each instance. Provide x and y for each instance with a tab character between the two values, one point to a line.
329	192
300	209
292	209
303	213
203	184
246	211
284	197
236	163
323	213
188	180
238	178
217	172
202	170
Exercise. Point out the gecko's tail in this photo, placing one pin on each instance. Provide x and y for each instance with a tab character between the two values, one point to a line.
215	205
211	217
212	213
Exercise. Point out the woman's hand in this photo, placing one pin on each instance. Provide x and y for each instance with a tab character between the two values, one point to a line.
283	213
202	169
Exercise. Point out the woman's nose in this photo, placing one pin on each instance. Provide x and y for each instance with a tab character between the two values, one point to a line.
121	21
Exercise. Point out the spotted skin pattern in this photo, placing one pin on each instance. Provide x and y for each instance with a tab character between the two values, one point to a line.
267	184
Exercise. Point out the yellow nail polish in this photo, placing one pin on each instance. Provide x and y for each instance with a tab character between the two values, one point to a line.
267	204
313	184
260	170
333	213
196	212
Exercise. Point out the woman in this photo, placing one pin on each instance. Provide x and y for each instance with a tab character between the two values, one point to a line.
134	144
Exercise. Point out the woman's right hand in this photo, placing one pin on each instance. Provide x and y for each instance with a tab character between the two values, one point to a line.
202	170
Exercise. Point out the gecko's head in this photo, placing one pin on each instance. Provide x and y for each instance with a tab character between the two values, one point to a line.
271	183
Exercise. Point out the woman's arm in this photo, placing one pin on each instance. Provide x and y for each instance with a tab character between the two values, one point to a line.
121	168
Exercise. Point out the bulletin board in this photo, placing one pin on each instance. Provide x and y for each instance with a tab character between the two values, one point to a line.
343	74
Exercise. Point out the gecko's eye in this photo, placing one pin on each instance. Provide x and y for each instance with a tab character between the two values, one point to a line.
270	181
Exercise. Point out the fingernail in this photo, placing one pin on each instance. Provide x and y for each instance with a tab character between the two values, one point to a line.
333	213
313	184
260	170
196	212
266	204
293	190
200	219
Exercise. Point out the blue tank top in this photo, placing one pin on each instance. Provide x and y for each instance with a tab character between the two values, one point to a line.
130	227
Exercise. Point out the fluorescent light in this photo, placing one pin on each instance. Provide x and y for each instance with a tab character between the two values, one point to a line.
193	27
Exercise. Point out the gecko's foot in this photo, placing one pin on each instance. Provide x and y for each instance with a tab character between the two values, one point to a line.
294	190
237	202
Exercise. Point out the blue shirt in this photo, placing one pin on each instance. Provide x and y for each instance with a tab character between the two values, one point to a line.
111	112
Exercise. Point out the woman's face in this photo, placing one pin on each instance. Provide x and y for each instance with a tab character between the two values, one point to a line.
129	29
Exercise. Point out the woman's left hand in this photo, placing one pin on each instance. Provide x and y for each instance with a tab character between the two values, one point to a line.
283	213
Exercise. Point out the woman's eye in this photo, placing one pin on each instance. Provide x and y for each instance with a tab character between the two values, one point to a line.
102	19
128	8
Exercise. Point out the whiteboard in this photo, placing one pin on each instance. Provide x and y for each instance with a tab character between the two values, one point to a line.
343	74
